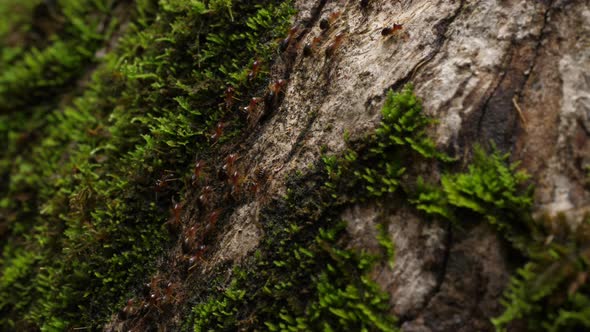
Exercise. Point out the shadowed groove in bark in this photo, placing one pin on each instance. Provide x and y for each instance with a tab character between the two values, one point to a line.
483	110
494	118
440	277
498	120
527	73
542	35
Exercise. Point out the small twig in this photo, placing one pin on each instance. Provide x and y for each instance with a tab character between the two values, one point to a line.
520	114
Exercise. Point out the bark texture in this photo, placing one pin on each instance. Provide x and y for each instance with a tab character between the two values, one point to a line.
516	73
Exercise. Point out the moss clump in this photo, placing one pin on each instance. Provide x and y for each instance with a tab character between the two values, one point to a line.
490	187
382	162
73	30
551	291
342	296
311	285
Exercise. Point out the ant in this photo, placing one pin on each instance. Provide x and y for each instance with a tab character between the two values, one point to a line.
189	239
198	256
254	182
218	132
255	69
252	186
230	160
388	31
310	47
197	172
130	309
169	296
211	222
176	210
251	108
229	96
277	86
235	180
162	182
325	23
364	4
205	196
287	41
155	301
174	222
337	42
275	89
154	282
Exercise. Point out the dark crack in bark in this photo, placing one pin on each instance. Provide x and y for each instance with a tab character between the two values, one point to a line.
497	119
440	277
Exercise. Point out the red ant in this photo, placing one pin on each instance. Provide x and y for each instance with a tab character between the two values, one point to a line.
337	42
162	182
310	47
275	89
198	256
325	23
205	196
255	69
256	181
277	86
388	31
154	282
251	108
169	293
197	171
218	132
287	41
177	210
229	97
189	239
211	222
130	309
213	217
235	180
174	223
230	161
154	301
252	186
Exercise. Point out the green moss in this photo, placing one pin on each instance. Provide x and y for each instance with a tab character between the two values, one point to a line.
311	286
88	225
381	163
42	72
490	187
551	292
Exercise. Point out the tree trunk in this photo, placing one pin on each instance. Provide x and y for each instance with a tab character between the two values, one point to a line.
510	76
